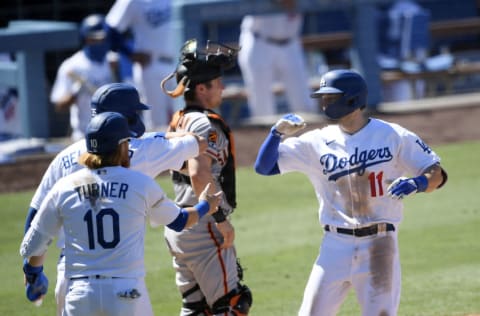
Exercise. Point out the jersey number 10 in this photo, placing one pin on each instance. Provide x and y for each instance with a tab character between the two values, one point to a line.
99	221
376	179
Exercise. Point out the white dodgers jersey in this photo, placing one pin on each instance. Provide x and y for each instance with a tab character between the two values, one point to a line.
150	22
151	155
351	173
72	71
104	214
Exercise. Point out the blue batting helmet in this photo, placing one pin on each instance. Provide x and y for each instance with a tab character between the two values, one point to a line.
93	26
106	131
122	98
350	88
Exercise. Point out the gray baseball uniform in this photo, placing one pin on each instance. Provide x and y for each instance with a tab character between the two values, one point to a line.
198	247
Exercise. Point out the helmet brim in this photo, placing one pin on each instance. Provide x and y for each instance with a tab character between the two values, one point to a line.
325	90
142	106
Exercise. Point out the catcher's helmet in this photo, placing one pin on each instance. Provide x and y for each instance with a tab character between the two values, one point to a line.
350	88
106	131
122	98
200	65
93	26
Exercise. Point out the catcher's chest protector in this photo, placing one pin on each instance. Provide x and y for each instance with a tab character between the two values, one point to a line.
227	175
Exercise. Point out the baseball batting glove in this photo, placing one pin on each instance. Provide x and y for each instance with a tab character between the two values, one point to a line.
37	282
288	125
403	186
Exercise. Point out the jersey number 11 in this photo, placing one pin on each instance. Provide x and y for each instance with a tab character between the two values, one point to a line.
374	180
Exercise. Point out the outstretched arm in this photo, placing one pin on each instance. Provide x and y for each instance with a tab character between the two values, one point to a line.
189	216
266	162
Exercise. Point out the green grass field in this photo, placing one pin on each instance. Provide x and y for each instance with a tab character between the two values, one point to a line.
278	236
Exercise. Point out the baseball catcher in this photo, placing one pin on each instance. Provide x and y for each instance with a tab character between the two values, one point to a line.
208	274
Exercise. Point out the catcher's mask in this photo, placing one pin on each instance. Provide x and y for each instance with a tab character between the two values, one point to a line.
200	65
341	92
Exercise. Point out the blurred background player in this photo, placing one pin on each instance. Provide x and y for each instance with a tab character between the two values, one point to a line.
208	274
10	124
272	52
103	210
404	45
150	25
81	74
358	167
151	154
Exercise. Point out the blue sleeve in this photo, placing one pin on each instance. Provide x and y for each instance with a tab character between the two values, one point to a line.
31	214
266	162
179	223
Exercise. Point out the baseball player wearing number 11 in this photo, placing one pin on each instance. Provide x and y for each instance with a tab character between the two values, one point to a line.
357	167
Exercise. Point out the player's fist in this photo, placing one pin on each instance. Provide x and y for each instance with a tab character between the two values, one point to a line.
289	124
403	186
36	283
213	200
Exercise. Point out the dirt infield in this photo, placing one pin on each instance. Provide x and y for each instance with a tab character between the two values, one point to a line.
435	127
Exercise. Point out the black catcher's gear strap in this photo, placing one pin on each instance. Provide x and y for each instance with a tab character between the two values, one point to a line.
227	175
199	308
237	301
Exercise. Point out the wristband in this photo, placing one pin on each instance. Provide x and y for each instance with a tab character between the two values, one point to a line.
421	182
202	208
31	272
219	216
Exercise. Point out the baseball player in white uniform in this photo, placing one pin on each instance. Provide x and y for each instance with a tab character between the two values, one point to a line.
151	154
358	168
396	51
103	210
151	26
272	52
10	120
82	73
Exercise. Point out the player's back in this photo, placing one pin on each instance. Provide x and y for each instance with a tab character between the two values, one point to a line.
150	154
64	163
104	213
